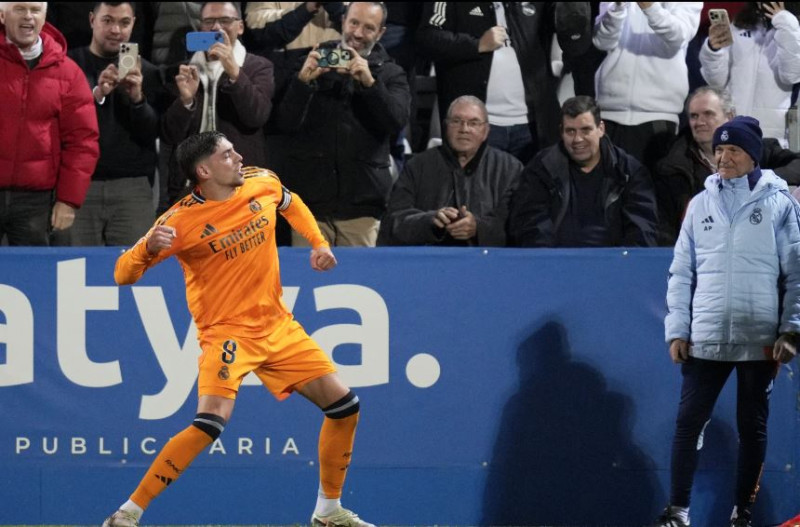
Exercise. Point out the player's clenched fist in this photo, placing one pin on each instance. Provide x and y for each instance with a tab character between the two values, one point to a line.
322	259
160	238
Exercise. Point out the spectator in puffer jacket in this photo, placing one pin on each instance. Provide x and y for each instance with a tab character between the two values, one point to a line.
48	128
734	304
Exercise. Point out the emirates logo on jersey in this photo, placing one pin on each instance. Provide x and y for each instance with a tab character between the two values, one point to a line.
255	206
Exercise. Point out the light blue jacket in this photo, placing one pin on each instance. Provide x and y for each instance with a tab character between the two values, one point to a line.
736	259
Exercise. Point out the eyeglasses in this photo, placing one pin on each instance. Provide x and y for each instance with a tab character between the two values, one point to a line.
224	21
471	124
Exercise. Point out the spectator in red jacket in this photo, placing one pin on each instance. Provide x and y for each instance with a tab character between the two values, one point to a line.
48	128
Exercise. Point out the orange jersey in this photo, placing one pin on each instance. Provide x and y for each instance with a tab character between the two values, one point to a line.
228	253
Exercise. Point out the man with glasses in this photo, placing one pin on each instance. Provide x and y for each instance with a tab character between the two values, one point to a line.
336	124
456	194
584	191
223	89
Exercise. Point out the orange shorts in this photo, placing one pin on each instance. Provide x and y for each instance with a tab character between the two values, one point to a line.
285	360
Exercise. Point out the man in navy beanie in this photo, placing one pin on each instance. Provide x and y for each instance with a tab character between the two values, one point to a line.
737	258
740	134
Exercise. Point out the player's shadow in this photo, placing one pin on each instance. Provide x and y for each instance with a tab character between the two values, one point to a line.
564	453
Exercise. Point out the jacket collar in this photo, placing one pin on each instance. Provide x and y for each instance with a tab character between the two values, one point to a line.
558	157
451	157
54	47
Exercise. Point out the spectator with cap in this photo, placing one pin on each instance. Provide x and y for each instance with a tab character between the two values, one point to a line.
733	305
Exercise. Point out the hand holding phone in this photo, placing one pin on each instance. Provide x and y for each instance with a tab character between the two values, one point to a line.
128	58
719	33
334	57
203	40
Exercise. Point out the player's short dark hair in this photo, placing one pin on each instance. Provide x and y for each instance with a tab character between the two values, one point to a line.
97	5
236	5
384	12
575	106
194	149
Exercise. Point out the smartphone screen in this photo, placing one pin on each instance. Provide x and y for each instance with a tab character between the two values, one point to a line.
202	40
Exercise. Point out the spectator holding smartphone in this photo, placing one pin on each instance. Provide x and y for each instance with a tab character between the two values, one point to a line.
119	206
336	125
225	89
757	59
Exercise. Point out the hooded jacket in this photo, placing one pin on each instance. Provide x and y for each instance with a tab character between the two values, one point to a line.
735	275
48	125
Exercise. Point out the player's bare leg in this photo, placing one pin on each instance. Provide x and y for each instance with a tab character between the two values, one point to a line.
341	408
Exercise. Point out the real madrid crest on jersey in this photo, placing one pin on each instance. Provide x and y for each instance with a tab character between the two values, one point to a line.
255	206
756	216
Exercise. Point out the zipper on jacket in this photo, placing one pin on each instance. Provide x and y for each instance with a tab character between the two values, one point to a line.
728	316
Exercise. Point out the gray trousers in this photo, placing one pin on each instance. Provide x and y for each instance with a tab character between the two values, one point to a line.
116	212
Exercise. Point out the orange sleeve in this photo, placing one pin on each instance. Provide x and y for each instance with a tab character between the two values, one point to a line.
132	264
300	218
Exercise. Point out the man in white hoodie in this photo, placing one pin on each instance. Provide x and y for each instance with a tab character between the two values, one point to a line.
643	81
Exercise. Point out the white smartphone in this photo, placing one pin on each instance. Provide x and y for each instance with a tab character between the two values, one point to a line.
128	58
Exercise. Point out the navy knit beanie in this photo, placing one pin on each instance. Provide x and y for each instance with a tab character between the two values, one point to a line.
744	132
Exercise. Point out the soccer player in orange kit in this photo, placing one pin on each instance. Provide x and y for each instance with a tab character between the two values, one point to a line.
223	235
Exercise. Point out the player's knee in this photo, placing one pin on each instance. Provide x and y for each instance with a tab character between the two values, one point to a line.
344	407
211	424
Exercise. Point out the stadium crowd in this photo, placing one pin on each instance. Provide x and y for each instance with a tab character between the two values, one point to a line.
522	124
374	147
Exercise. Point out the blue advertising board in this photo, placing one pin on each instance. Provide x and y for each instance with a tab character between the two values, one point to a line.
498	386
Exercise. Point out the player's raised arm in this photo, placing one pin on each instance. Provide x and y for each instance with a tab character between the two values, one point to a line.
147	252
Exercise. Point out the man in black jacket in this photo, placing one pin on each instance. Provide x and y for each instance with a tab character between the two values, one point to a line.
584	191
456	194
336	124
119	207
500	53
683	172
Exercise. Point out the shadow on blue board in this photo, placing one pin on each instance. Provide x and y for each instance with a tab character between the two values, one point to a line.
559	464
